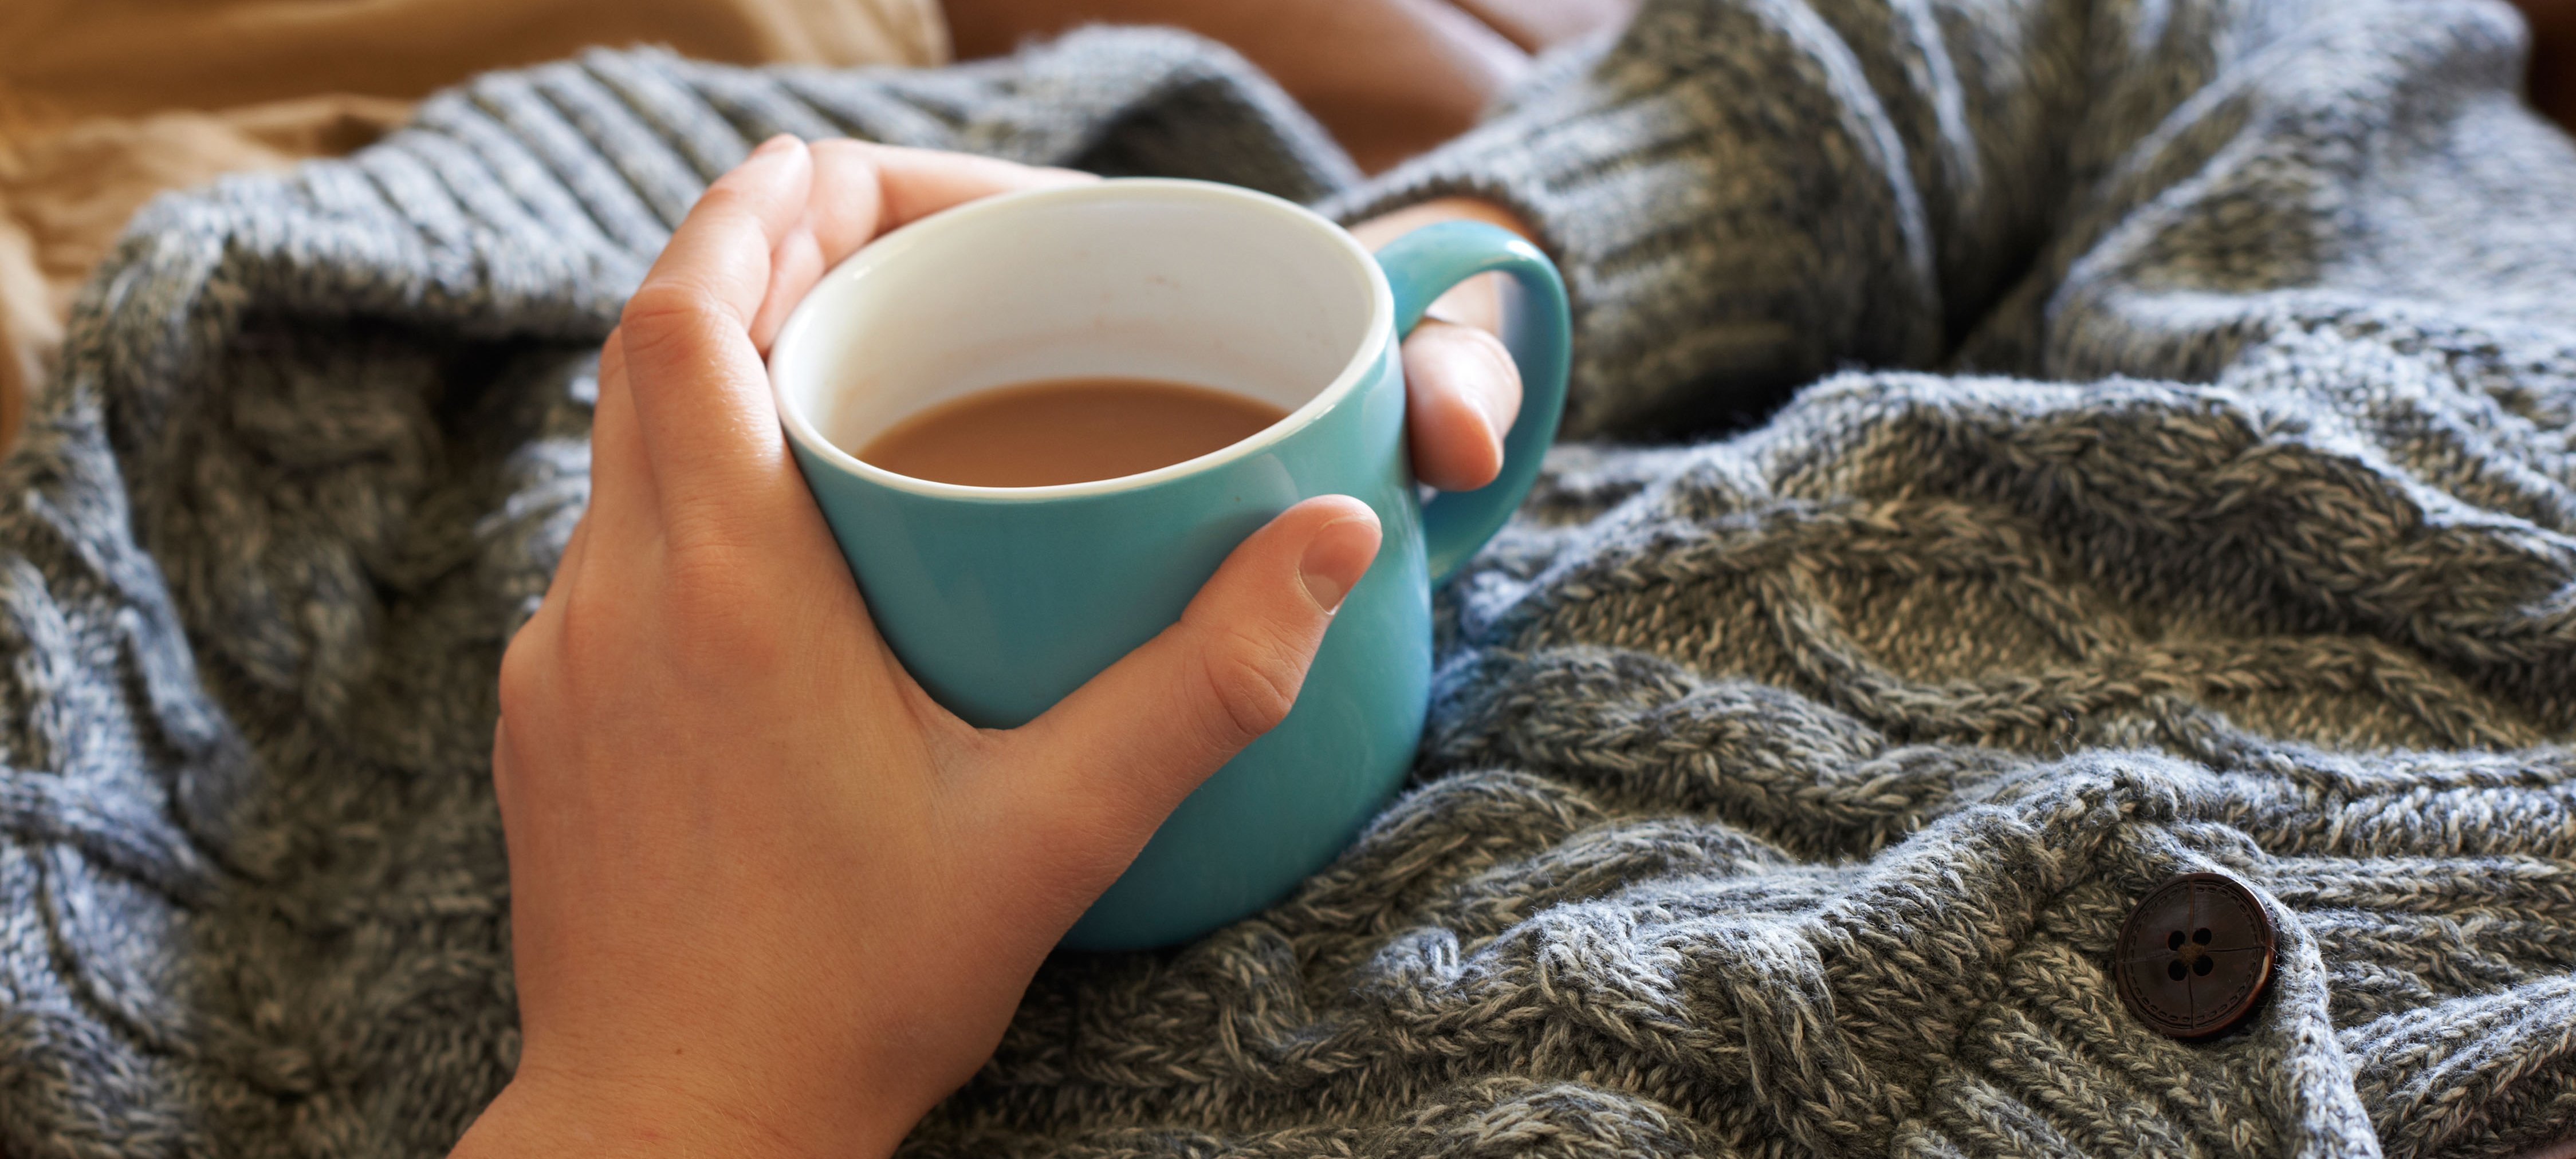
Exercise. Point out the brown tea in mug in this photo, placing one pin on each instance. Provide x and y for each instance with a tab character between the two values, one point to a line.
1066	430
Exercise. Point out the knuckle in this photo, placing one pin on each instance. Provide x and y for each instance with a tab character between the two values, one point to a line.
523	678
612	354
717	544
582	634
1497	357
666	316
718	623
1253	682
706	581
1471	357
726	197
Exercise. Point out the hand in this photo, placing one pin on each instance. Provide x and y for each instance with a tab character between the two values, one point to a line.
1458	378
766	896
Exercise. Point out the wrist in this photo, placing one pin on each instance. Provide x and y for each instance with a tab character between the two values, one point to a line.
547	1115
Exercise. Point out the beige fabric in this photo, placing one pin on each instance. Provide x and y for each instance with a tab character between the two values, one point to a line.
65	194
104	103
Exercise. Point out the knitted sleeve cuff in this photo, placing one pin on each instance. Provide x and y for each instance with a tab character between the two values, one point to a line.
1727	200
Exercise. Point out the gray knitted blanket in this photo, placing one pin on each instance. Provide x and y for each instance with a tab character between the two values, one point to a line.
2180	475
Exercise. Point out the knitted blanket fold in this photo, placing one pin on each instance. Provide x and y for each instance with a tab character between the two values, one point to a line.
1783	792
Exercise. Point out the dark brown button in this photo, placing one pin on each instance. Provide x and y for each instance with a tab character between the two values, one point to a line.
2195	956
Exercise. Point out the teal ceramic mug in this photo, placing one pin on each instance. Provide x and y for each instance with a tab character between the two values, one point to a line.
1002	600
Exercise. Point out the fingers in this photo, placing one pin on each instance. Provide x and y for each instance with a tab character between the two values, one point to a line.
1461	393
719	258
701	395
1462	388
755	242
862	190
842	213
1126	747
920	182
620	484
621	478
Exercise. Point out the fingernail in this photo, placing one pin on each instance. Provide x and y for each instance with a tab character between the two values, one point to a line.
1335	559
777	144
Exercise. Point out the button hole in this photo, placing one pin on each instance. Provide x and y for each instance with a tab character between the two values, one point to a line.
2174	969
2204	966
2201	935
2174	942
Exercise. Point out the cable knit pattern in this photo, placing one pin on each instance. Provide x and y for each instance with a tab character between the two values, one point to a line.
2191	486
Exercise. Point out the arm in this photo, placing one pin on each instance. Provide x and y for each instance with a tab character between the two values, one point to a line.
1745	196
767	898
1389	78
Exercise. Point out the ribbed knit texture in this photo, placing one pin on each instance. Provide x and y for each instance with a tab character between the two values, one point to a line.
1783	794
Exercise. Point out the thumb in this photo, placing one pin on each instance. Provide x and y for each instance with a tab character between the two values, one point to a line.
1110	761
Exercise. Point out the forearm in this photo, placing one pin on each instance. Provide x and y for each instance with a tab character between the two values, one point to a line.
1388	79
1745	198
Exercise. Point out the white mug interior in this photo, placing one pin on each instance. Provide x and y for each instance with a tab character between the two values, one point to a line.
1184	281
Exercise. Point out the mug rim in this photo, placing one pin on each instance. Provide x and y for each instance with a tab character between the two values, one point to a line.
974	214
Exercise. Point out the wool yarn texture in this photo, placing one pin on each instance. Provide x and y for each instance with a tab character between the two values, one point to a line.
2019	451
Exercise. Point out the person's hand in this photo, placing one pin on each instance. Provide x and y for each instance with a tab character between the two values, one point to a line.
1459	380
766	896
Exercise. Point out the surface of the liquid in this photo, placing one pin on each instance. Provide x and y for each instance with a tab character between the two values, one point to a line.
1066	430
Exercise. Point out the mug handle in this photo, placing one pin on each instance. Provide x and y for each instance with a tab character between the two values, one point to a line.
1421	266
